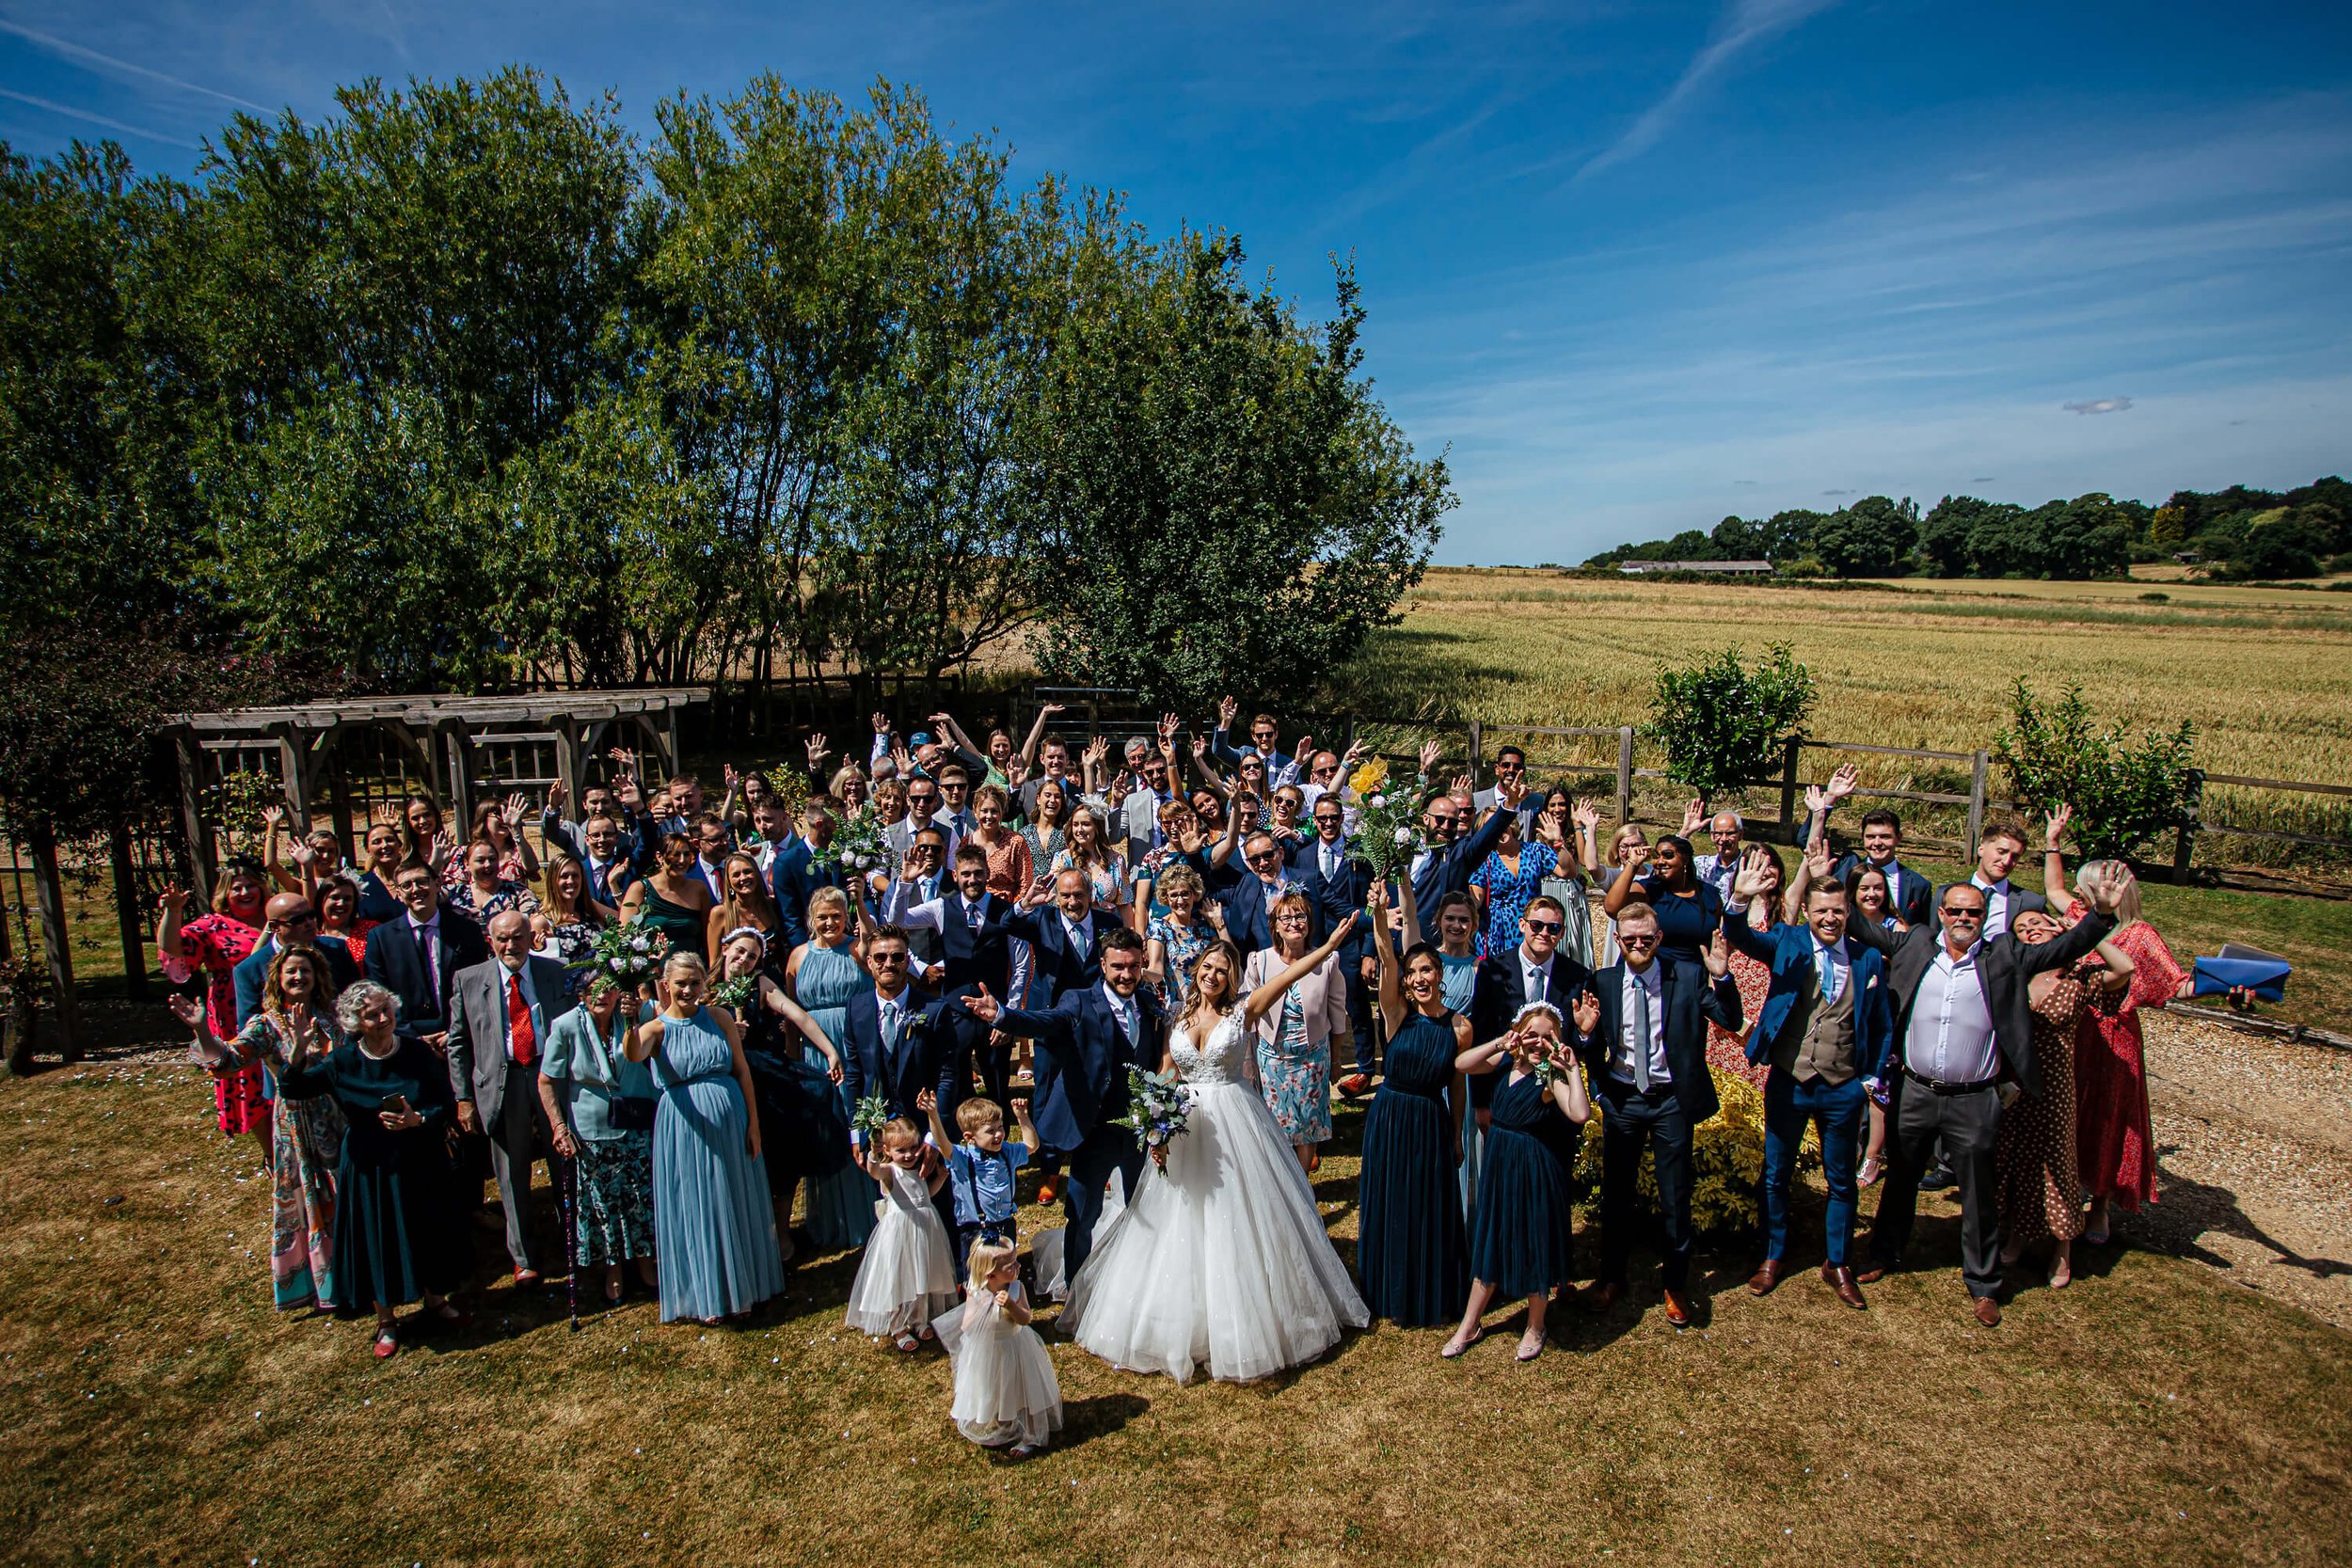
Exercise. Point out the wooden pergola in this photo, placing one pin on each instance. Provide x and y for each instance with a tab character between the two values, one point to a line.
444	736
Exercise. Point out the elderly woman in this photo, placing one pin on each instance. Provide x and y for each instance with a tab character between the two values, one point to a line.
294	1028
601	1105
401	1235
1296	1041
714	1224
216	944
1177	937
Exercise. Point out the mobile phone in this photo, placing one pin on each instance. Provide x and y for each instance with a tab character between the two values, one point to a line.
396	1105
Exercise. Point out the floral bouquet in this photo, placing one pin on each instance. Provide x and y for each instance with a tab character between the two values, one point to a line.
1387	835
871	1116
859	847
628	955
736	995
1157	1107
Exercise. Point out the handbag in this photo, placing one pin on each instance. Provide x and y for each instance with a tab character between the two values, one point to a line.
626	1113
2265	976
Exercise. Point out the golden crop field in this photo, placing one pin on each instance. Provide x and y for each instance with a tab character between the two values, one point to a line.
2266	673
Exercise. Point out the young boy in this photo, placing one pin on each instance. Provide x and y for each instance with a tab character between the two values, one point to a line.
980	1169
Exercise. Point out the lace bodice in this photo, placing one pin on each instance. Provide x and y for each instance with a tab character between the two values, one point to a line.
1229	1057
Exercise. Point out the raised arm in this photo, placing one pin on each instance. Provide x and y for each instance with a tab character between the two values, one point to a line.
1390	1000
2054	860
1621	888
1270	995
1036	733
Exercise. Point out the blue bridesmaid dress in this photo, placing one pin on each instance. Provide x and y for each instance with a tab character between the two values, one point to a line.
713	1222
1410	1244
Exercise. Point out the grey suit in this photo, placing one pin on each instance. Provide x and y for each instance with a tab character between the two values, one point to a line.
503	1092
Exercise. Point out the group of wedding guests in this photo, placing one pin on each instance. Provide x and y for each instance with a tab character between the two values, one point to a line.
398	1027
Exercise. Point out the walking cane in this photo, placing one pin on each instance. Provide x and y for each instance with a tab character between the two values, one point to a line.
571	1242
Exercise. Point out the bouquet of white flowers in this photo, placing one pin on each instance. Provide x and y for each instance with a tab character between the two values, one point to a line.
871	1116
859	847
1157	1106
628	955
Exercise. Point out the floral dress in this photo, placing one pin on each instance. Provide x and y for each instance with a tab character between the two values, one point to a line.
1728	1051
1107	881
2040	1184
1295	1076
569	942
1183	944
1508	894
216	944
466	900
306	1140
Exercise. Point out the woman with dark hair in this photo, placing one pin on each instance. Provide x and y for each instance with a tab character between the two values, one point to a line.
1511	876
820	976
804	1125
295	1029
483	895
1409	1240
424	840
216	944
673	901
338	902
1666	875
500	823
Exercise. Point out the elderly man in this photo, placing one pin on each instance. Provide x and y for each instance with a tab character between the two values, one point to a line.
1722	869
500	1015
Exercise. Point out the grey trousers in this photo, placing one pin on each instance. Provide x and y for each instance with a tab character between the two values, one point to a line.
1969	1124
520	1135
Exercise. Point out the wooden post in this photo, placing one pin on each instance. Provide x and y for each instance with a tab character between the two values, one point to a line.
129	913
458	747
1975	803
201	867
2185	836
1477	739
673	754
57	939
1625	773
1791	749
331	760
290	760
566	769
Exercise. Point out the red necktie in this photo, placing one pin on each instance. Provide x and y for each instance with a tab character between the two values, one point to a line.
521	1040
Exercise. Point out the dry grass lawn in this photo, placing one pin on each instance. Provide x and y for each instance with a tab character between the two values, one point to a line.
162	1414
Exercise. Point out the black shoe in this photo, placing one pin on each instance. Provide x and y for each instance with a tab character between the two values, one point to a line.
1938	1178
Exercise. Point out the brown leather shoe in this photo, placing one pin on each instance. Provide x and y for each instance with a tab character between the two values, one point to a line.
1355	1084
1841	1279
1767	1274
1598	1298
1870	1274
1988	1312
1677	1309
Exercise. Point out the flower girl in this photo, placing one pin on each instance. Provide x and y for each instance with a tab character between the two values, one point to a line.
907	1278
1006	1391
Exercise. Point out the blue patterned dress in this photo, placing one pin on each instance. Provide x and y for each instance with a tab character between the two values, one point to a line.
1183	944
1295	1076
840	1205
1508	894
714	1228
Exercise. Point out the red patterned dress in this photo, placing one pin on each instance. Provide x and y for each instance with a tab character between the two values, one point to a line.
1728	1051
2114	1140
216	944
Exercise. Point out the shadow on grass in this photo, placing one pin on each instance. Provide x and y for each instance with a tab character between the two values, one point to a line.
1097	1416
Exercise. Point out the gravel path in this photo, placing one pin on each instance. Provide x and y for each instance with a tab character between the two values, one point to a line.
2254	1139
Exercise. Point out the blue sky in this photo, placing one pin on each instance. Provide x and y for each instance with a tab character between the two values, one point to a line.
1635	266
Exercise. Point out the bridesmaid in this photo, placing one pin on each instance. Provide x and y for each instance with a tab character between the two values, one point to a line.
673	901
714	1228
1520	1247
1409	1246
801	1123
820	976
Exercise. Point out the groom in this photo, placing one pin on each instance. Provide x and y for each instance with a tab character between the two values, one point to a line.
1086	1043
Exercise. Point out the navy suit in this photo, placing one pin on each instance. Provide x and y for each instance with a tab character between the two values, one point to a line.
252	972
1335	897
1052	960
1915	904
1789	1105
1633	1121
794	877
1250	913
921	1060
1502	993
1082	1061
394	964
609	885
1451	869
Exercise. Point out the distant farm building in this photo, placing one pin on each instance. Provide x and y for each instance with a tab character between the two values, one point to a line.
1728	568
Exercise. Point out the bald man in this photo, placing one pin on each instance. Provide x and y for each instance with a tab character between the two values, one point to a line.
499	1014
288	920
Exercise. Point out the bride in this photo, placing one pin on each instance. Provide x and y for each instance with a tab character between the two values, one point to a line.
1220	1257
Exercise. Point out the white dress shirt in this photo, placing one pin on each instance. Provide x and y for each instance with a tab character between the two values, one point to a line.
1652	980
1123	1009
1535	978
1997	902
1950	1038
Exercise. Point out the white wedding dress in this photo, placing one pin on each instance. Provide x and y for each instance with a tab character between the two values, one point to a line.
1222	1258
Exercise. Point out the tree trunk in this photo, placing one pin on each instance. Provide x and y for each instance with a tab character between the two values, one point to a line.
128	913
57	939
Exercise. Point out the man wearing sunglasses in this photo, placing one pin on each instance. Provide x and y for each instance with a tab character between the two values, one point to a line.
1647	1054
1457	844
1963	1044
289	920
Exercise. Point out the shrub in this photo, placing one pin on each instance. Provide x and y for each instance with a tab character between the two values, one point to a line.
2124	791
1721	723
1727	1162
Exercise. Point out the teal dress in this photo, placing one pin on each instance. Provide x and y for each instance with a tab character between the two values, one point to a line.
1409	1243
1520	1243
841	1204
612	1172
714	1228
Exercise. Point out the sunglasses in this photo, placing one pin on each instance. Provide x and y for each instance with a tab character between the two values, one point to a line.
1545	927
1262	857
1964	914
1638	941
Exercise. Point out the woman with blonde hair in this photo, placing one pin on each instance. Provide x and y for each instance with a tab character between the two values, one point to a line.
748	902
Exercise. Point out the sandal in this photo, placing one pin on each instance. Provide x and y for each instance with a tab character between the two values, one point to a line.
909	1343
1525	1355
1870	1172
386	1342
1022	1450
1453	1351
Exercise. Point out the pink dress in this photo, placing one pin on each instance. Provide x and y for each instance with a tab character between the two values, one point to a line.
216	944
2115	1140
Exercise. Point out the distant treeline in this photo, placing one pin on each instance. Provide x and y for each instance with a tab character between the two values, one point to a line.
2239	532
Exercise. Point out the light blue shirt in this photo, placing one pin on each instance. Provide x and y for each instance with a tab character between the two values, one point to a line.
1833	966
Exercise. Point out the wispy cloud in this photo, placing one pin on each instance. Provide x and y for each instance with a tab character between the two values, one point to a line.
1743	24
2099	405
72	113
124	68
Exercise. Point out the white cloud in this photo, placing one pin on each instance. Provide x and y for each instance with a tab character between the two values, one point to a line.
1743	25
2098	405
